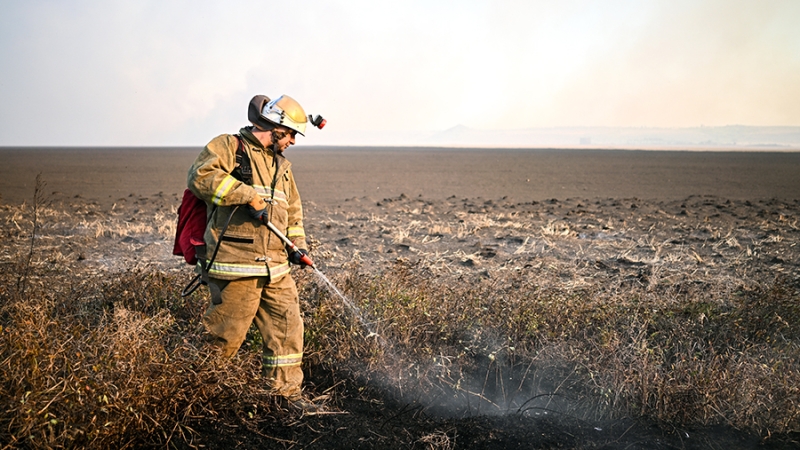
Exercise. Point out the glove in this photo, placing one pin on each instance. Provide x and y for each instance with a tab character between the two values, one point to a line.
257	214
294	257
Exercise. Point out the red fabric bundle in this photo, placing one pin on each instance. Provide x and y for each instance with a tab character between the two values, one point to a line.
191	227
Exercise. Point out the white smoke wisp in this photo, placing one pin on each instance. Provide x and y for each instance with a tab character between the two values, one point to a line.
495	382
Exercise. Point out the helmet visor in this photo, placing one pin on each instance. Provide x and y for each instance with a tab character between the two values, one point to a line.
287	112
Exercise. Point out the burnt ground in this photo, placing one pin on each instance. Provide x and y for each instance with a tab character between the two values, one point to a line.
578	241
370	420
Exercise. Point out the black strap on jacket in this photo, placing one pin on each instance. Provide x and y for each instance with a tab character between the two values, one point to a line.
243	170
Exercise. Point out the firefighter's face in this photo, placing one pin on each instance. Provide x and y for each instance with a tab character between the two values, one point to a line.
283	137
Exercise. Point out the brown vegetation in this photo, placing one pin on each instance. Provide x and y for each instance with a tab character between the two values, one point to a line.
585	312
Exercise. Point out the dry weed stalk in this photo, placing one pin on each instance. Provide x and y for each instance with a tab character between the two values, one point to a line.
39	201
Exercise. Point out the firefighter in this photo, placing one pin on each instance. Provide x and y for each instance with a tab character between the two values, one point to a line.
245	180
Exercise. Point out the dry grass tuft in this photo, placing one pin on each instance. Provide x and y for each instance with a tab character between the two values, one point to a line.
116	363
679	355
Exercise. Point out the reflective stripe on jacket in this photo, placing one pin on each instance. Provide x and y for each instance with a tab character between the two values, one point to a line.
248	247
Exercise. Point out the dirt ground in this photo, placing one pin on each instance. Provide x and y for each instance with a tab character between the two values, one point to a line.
329	176
606	218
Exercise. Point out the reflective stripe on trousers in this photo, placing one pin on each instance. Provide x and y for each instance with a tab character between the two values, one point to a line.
282	361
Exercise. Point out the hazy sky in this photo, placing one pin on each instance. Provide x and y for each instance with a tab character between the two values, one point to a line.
179	73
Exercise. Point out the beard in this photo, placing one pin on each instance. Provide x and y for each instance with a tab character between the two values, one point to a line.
277	135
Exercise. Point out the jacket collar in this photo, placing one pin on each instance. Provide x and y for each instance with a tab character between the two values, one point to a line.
252	139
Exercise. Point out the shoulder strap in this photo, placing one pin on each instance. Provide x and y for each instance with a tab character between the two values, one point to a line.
243	170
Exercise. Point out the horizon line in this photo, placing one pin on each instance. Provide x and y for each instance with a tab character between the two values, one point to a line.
761	148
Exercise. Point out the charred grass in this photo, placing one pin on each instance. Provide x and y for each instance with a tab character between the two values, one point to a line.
112	358
510	345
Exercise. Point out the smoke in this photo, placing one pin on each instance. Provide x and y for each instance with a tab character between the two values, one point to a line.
487	378
494	381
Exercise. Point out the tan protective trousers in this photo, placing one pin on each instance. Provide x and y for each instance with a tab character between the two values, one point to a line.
275	309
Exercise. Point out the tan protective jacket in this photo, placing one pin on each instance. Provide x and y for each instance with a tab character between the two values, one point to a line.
248	248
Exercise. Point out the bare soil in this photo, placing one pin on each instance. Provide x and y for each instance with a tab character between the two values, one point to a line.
623	218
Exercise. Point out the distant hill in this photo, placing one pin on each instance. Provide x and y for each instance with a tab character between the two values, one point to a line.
732	136
736	137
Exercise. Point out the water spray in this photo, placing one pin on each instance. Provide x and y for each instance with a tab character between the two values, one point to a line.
305	259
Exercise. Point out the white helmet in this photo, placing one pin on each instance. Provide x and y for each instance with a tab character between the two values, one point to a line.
285	111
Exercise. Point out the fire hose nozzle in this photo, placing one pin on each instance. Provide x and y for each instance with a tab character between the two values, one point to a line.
307	261
303	258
